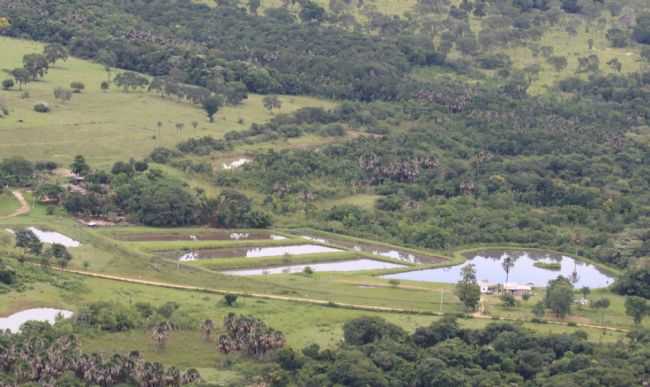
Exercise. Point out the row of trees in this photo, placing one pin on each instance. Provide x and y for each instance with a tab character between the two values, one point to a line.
36	66
377	353
32	245
42	355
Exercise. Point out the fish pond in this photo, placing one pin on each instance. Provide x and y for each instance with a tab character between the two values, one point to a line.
376	249
54	237
251	252
489	267
343	266
207	235
16	320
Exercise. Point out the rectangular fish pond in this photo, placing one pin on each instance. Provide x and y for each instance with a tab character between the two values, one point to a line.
395	253
203	235
343	266
489	267
250	252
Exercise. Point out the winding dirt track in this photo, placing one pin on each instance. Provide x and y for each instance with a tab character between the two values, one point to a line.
369	308
24	206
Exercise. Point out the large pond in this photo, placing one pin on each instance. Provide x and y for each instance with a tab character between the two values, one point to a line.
376	249
355	265
54	237
16	320
489	268
255	252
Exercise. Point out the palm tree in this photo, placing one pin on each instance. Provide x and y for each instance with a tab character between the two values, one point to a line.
160	334
206	329
508	263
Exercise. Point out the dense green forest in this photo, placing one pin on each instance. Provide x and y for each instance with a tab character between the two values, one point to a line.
453	124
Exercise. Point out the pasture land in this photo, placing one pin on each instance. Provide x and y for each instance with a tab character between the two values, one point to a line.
108	126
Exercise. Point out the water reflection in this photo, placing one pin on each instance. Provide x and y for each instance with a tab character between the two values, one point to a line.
257	252
54	237
490	268
400	255
343	266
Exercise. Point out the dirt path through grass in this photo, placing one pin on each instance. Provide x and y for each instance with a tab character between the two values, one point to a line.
24	206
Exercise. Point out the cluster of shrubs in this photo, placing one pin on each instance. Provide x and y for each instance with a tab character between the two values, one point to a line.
118	317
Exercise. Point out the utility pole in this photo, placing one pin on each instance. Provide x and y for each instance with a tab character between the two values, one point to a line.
442	297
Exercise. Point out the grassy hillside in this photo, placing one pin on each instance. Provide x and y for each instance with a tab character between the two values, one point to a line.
106	126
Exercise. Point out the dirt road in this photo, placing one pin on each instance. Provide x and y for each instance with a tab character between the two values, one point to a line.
24	206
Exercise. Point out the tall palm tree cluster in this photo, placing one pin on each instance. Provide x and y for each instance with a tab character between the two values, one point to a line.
44	359
249	334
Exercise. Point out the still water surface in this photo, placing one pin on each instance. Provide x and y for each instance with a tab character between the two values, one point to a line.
489	268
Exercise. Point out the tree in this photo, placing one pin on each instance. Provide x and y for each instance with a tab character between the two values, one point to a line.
22	77
467	289
559	63
230	299
129	80
36	65
253	6
4	23
249	334
585	291
601	304
211	105
366	330
637	308
79	166
571	6
207	327
232	209
54	52
77	87
617	37
641	31
60	254
559	296
508	262
108	59
160	334
539	310
635	281
272	102
8	84
62	94
27	240
508	300
311	12
615	65
105	85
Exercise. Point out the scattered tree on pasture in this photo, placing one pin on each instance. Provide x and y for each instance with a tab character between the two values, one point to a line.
637	308
211	105
54	52
559	296
467	289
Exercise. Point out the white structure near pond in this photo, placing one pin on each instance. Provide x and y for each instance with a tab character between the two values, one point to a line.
236	164
510	287
54	237
16	320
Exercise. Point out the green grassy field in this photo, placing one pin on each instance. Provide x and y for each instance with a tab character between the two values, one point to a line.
107	126
8	203
302	324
